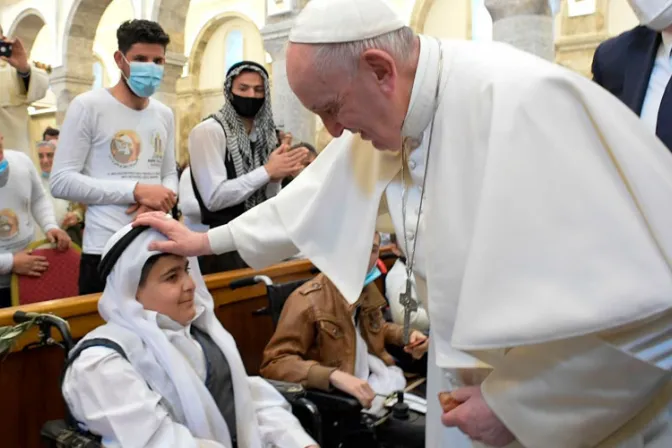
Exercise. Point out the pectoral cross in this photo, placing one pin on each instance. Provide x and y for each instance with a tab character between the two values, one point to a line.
410	305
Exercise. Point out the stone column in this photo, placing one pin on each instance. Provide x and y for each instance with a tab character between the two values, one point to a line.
288	112
188	114
579	36
66	86
525	24
167	93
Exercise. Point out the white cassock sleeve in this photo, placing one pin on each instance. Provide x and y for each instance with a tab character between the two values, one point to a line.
107	395
571	240
277	426
328	213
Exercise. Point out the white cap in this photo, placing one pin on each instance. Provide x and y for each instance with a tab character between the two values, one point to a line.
338	21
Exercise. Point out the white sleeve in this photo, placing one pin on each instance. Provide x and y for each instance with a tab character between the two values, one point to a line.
187	202
108	396
277	425
38	86
207	152
41	206
395	283
169	168
570	393
66	179
6	263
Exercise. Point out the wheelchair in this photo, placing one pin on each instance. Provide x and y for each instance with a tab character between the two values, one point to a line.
66	433
344	425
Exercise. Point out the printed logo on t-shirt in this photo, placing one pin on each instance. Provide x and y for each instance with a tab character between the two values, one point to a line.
125	148
9	224
157	157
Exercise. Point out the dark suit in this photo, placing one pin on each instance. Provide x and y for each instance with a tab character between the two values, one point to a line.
623	66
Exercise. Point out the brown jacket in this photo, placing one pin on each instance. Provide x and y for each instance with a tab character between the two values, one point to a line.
316	335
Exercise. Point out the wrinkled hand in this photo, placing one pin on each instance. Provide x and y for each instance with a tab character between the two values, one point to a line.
139	209
29	265
182	241
418	345
70	220
60	239
352	385
475	418
19	58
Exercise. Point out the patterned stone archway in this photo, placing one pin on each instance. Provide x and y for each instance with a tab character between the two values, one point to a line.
26	27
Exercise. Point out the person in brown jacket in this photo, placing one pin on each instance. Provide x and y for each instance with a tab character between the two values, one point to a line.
315	343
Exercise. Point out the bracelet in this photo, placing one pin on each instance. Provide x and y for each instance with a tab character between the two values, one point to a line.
24	75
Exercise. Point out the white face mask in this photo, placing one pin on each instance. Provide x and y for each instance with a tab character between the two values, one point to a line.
654	14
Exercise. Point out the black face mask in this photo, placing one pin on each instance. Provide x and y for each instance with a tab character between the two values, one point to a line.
247	107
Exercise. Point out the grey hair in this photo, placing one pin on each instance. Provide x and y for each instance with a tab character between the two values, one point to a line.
46	143
344	57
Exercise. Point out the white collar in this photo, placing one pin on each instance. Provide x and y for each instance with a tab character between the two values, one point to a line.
168	325
667	43
423	96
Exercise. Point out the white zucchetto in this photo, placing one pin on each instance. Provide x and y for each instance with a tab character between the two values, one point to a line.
337	21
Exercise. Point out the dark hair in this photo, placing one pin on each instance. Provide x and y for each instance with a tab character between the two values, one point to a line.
147	268
140	31
308	146
50	132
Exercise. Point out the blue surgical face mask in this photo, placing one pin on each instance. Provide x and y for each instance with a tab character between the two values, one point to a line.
4	164
45	175
144	78
372	276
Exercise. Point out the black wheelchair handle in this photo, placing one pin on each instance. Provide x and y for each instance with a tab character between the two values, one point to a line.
21	317
243	282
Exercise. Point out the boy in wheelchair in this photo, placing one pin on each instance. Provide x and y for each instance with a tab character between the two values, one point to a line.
163	371
321	341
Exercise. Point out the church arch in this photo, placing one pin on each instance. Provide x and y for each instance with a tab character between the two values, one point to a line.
26	26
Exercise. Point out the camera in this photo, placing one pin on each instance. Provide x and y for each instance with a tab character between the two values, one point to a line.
5	49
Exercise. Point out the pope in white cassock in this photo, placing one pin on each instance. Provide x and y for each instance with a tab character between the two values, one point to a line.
546	222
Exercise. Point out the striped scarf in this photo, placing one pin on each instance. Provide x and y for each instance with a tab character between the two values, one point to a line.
245	159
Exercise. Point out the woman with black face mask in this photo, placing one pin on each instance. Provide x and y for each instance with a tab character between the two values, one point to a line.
237	161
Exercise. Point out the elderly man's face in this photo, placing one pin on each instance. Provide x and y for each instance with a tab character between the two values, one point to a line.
46	155
366	103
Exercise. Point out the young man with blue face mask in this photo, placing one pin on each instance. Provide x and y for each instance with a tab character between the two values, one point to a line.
322	341
23	203
116	148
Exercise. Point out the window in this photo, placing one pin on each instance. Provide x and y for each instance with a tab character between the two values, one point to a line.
233	48
481	22
98	75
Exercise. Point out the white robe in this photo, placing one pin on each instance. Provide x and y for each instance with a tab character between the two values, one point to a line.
549	264
14	102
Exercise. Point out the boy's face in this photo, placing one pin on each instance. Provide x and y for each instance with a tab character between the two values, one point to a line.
169	289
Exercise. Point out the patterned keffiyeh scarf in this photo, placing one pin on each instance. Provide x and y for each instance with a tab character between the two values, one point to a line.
246	158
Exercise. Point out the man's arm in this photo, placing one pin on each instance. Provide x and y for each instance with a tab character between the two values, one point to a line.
169	177
40	204
285	354
67	180
207	152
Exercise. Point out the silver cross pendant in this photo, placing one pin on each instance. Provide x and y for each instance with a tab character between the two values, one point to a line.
410	305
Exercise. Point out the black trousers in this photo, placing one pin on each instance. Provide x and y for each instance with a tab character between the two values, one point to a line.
89	279
5	298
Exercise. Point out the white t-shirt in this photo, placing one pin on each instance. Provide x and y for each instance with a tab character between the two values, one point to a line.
188	204
106	148
22	199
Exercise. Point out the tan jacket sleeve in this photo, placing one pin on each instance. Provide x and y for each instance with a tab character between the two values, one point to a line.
394	334
285	355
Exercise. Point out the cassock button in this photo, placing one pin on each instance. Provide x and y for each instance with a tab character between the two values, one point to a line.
410	236
412	164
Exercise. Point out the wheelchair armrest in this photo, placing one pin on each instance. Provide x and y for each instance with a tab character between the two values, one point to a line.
291	391
335	401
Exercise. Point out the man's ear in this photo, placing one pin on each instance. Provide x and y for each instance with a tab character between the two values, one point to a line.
382	65
119	59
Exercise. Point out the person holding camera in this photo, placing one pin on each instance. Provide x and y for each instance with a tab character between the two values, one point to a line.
21	84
